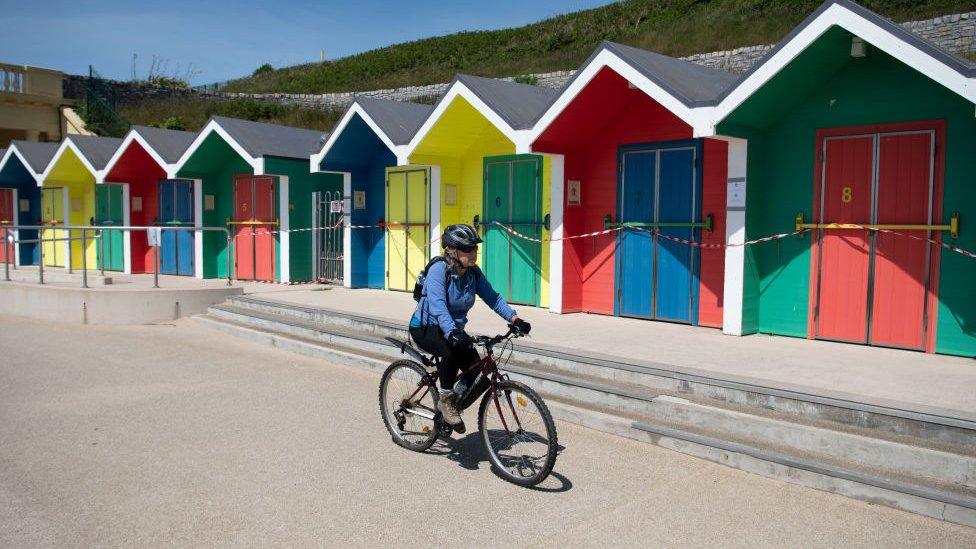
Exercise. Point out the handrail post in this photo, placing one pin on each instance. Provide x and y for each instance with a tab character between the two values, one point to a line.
69	260
6	255
84	260
229	252
101	237
156	258
40	257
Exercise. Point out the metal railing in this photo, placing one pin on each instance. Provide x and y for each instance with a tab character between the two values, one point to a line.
952	226
95	233
708	224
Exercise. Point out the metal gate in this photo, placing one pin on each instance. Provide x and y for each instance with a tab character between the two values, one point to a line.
327	240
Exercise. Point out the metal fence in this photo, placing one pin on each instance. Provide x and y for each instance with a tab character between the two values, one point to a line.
87	233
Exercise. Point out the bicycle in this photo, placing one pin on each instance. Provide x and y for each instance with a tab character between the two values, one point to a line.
515	425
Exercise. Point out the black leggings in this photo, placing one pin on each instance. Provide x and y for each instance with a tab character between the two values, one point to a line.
431	339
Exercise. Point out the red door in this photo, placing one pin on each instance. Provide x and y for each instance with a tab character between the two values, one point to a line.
254	257
6	218
873	285
842	306
901	266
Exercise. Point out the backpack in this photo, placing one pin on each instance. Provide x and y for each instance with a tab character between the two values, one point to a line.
418	286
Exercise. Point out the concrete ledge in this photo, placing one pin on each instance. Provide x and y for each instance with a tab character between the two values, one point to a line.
108	306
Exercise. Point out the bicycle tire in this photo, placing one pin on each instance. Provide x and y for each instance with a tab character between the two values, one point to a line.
547	421
421	444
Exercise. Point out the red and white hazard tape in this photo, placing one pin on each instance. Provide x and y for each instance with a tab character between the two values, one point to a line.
657	232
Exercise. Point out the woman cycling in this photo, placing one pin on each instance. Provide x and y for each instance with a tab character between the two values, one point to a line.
437	326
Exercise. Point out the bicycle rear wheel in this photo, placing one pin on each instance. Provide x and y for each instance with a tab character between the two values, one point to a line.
407	405
518	433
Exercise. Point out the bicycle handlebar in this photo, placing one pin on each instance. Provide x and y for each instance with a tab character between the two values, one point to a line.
488	341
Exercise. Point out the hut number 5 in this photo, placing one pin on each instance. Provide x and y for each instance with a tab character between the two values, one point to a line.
846	195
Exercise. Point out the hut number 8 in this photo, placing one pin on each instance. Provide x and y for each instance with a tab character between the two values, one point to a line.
846	195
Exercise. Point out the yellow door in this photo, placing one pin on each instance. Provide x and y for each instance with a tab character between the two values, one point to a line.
408	227
52	213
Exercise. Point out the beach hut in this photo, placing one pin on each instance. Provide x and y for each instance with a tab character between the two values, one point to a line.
21	166
472	154
860	134
68	197
627	125
370	137
254	178
144	167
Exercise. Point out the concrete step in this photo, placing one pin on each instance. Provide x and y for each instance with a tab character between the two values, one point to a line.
939	479
939	432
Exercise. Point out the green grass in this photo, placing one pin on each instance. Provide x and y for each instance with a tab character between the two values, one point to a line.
194	112
672	27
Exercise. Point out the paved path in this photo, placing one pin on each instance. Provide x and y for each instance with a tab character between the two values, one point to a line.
176	435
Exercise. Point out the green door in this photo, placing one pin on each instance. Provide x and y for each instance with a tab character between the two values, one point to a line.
513	189
108	212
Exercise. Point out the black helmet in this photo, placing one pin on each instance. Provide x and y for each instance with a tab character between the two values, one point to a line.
460	236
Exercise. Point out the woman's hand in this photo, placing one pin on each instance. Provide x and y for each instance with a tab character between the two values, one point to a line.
520	326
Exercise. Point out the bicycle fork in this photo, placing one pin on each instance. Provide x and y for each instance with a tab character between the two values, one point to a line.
498	406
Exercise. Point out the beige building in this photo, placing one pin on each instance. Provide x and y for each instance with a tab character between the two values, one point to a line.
32	106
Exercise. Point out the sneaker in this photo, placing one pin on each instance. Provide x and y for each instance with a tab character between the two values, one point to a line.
447	406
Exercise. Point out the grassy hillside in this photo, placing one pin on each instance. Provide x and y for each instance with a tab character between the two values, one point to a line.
672	27
192	112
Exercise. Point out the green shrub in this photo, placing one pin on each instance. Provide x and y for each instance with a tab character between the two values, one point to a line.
168	82
265	68
529	79
171	123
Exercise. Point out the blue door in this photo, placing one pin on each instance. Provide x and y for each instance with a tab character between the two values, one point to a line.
656	276
635	247
176	210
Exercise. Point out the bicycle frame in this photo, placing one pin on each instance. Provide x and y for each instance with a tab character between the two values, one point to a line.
488	367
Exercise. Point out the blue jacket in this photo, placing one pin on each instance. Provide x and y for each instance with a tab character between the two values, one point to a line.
448	306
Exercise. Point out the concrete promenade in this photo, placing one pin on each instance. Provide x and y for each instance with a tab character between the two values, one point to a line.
190	438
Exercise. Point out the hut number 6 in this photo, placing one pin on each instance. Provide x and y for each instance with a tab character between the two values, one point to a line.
846	195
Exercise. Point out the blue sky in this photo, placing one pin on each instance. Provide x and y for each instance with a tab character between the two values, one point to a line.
224	40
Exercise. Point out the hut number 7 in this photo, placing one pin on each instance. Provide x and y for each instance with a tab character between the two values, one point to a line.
846	195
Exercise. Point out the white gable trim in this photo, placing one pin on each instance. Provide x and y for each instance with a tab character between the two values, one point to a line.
134	136
353	110
13	151
257	164
65	145
458	89
696	117
874	34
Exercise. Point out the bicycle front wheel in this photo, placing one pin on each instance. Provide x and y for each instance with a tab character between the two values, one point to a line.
518	433
407	405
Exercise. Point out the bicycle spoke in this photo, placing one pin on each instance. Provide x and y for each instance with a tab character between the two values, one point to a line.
403	395
523	447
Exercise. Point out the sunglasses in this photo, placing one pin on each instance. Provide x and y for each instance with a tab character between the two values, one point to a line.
467	249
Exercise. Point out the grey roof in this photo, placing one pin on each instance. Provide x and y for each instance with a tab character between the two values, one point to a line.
399	120
169	144
960	65
261	139
518	104
97	150
38	155
690	83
